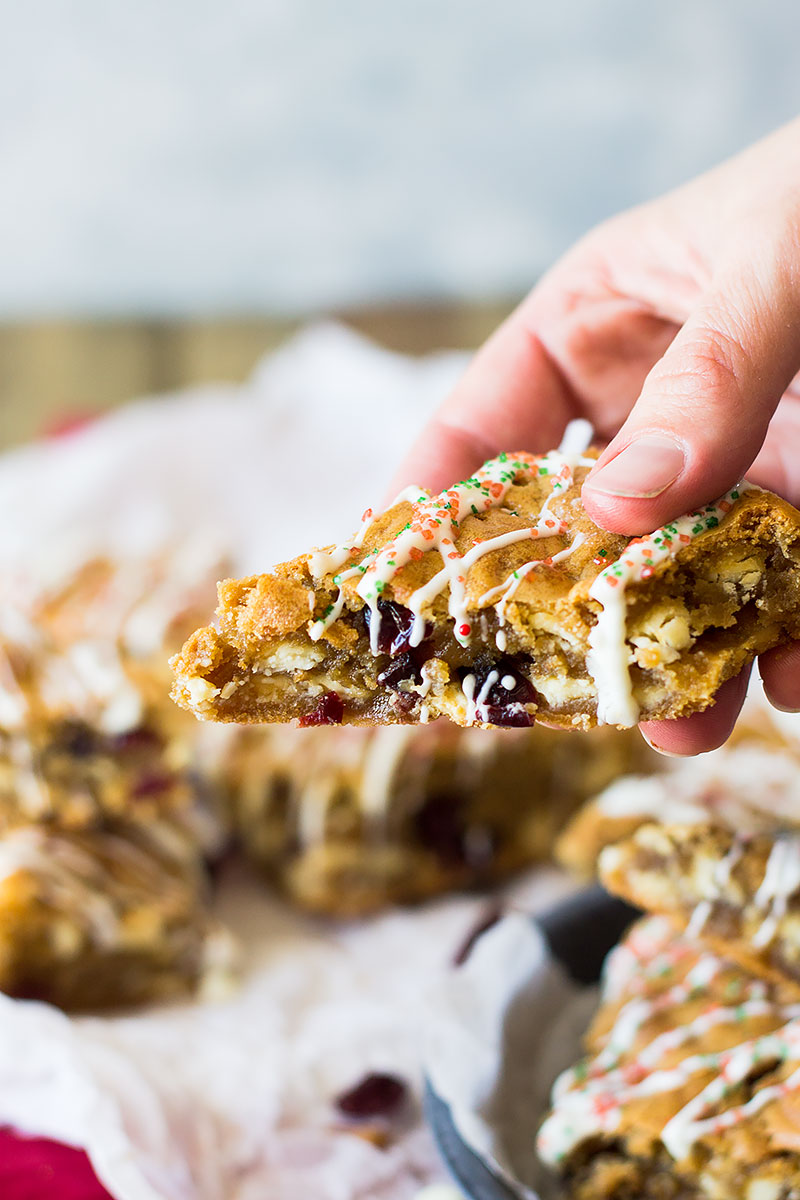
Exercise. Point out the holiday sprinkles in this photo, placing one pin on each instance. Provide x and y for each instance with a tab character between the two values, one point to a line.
434	525
590	1098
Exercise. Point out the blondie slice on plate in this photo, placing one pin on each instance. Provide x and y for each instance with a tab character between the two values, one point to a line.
736	890
691	1085
349	820
499	602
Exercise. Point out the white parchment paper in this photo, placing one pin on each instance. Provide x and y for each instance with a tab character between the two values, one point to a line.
501	1028
233	1101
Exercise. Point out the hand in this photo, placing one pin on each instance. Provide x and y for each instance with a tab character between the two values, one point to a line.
675	329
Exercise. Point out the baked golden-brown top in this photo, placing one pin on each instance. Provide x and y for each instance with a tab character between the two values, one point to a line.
691	1084
749	786
500	601
737	891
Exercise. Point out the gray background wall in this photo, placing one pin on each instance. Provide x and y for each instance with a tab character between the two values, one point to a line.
179	157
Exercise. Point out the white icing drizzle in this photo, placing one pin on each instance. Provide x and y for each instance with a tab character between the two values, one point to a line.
66	872
589	1099
781	880
385	752
434	524
609	656
720	880
476	705
317	628
457	605
322	562
748	789
690	1123
508	587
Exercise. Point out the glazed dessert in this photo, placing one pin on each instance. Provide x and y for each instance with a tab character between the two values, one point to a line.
737	890
105	825
748	786
349	820
499	602
86	728
691	1085
106	918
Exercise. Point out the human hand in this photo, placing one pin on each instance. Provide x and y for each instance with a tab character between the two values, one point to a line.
675	329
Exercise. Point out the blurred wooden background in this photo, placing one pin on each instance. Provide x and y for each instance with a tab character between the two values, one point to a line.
53	369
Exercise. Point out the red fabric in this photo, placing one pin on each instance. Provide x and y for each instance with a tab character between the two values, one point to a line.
37	1169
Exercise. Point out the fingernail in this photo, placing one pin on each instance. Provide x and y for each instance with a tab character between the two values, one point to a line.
659	749
645	468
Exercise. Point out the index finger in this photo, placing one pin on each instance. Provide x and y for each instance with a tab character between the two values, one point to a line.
511	397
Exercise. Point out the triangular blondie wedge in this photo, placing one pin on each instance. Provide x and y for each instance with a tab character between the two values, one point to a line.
498	602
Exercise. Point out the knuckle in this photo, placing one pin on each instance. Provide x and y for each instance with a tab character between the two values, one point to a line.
712	367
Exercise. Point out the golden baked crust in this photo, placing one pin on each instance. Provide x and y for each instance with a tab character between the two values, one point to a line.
752	784
499	602
349	820
738	892
106	918
691	1085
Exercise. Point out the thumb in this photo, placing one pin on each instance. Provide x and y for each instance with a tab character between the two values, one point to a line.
704	409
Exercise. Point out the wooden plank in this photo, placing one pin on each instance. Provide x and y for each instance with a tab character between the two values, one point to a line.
49	369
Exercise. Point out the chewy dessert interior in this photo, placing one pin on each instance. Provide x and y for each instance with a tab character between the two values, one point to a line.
499	602
737	890
691	1085
349	820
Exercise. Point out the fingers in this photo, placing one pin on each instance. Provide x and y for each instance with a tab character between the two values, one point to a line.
705	407
702	731
780	674
511	397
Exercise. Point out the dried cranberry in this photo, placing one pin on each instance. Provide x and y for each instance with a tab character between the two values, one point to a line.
509	716
153	783
79	740
377	1095
403	668
396	623
439	824
501	705
136	739
489	918
329	711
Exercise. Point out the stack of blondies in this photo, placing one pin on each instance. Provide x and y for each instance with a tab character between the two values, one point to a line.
691	1082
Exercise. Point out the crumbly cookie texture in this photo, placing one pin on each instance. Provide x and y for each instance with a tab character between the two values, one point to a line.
498	602
739	892
349	820
691	1084
751	785
107	918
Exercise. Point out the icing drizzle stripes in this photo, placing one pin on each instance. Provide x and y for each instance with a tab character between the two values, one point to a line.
434	525
609	656
590	1097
